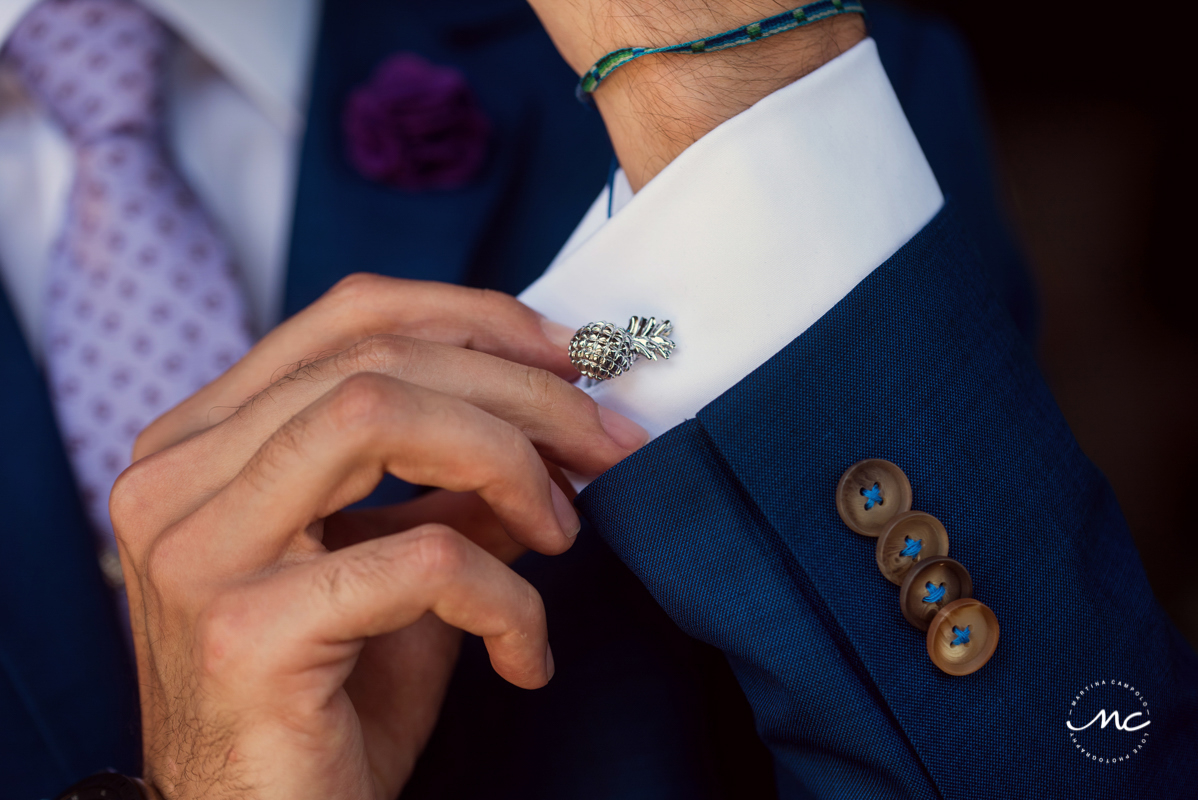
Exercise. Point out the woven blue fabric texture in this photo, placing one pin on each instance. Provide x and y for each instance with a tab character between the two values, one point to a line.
730	522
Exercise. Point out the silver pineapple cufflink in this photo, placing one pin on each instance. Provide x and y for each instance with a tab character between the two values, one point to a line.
604	350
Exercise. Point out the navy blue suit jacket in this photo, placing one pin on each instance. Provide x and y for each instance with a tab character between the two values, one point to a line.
638	708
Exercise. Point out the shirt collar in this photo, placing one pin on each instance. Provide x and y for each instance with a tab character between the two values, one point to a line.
264	47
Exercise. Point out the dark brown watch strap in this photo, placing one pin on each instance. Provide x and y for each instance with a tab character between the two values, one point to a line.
105	786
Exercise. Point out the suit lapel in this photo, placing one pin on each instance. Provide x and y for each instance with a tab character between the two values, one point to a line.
547	158
61	651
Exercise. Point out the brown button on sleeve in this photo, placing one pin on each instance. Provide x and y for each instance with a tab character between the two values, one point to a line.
870	494
911	537
929	586
962	636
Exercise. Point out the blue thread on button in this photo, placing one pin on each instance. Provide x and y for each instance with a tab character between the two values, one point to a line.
935	593
912	547
873	497
962	636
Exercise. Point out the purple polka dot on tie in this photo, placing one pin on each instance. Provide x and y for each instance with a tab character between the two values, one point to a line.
58	290
101	411
97	61
151	395
121	377
199	251
132	428
160	313
172	363
213	302
65	92
67	44
84	308
93	17
223	360
99	278
60	342
165	225
91	105
190	331
142	344
68	387
127	288
155	177
113	461
125	38
129	80
133	209
111	322
89	355
181	281
118	156
116	241
147	257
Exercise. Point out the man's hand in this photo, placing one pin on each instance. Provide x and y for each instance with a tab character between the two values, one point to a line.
284	653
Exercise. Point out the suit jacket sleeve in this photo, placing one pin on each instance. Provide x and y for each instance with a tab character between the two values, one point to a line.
730	521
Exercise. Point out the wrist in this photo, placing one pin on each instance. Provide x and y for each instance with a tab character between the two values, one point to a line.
658	105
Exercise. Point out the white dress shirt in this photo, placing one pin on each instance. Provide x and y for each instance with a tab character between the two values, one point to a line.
748	237
236	95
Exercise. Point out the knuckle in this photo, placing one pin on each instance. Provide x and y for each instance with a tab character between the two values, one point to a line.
437	553
542	390
429	556
494	297
513	464
498	305
363	401
132	499
354	287
384	353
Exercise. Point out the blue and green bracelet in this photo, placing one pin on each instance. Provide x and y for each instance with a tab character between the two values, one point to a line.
754	31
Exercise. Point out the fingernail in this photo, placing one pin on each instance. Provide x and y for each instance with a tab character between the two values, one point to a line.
622	430
548	662
557	333
567	517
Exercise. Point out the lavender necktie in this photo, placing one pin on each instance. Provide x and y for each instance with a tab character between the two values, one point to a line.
143	304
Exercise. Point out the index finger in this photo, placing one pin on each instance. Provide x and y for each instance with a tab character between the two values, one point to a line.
360	306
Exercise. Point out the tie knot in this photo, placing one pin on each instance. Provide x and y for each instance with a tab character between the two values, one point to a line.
94	65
